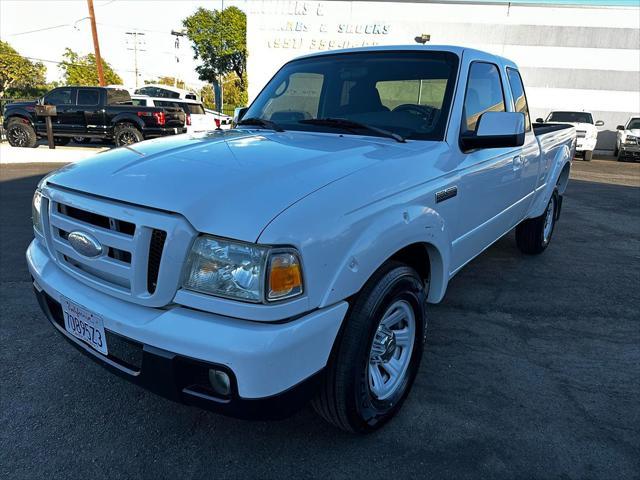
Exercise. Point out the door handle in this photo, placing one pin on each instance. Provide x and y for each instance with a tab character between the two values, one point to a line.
517	162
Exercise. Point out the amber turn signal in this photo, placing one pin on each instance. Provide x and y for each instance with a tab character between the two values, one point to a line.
285	276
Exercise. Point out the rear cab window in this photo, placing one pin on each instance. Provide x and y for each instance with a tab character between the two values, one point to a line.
519	96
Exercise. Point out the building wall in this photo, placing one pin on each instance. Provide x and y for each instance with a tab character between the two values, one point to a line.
572	57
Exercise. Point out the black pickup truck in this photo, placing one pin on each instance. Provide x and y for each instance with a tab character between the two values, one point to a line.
90	112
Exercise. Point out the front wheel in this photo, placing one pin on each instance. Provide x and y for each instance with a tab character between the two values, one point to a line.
533	235
588	155
81	139
376	358
21	134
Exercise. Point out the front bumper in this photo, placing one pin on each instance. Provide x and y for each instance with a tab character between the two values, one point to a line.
273	367
586	144
629	152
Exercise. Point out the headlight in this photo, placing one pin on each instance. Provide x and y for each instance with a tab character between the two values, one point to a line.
36	209
632	139
242	271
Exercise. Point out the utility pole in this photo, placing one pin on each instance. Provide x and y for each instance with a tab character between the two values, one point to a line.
134	36
176	45
96	45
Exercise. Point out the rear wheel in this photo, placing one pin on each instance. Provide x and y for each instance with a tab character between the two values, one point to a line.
534	235
588	155
21	134
81	139
376	358
61	141
126	134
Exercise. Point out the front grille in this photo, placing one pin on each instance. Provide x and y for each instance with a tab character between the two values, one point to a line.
137	243
156	246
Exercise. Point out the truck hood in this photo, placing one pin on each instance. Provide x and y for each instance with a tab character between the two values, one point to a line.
229	183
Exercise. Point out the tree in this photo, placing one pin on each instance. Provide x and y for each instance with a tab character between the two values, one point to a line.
18	74
219	40
79	70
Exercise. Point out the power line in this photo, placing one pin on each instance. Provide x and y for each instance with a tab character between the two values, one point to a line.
39	30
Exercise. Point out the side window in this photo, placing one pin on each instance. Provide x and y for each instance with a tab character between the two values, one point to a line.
484	93
88	97
519	97
60	96
297	99
140	102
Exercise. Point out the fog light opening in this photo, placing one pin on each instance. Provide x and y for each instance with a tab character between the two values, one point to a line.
220	382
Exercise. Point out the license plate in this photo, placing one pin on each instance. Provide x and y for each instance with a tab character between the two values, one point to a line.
85	325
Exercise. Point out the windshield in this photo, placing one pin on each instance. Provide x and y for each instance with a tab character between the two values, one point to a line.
570	117
634	124
407	93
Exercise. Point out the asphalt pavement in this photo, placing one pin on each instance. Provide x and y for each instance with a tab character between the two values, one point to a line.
531	370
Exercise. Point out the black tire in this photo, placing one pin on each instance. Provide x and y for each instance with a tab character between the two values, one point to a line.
126	134
345	398
61	141
588	155
621	157
21	134
530	234
616	150
81	139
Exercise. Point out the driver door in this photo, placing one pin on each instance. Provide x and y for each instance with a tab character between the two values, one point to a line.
64	100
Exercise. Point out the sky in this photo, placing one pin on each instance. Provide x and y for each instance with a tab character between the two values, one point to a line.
64	24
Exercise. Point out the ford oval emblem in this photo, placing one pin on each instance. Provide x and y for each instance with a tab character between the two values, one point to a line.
84	244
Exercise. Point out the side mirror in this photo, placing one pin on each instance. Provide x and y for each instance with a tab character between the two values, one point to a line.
238	113
620	127
599	123
539	120
495	130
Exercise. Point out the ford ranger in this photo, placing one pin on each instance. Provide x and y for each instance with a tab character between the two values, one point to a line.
83	113
293	257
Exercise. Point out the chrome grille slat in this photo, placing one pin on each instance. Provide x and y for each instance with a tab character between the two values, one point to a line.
106	237
104	263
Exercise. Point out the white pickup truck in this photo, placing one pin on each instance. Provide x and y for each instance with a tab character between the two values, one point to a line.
586	130
293	258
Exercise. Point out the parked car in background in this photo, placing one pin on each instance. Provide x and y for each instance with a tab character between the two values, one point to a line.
84	113
586	129
197	117
627	140
166	91
293	258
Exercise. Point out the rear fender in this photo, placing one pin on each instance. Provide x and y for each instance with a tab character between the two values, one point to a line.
557	176
127	118
394	230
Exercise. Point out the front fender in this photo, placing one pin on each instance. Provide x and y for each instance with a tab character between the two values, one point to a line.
21	114
386	235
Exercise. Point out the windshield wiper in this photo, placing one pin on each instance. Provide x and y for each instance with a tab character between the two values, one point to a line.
351	126
261	122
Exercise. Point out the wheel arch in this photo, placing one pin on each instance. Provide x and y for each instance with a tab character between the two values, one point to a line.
19	115
422	244
127	118
559	173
